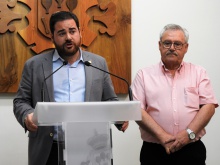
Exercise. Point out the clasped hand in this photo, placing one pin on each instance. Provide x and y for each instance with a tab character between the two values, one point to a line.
175	143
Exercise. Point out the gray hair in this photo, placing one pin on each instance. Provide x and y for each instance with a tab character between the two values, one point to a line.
175	27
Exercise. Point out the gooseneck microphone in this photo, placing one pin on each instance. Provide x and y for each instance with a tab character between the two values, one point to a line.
43	83
89	63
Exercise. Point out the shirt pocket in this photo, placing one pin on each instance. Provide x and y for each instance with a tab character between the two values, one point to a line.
191	95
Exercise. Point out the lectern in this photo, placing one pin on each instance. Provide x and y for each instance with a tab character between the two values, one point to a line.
86	127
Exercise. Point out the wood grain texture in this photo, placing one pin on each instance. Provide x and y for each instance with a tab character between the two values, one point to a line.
105	26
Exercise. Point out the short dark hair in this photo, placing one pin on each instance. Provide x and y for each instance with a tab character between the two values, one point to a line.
61	16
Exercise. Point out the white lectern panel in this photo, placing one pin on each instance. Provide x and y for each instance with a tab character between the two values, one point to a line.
51	113
87	143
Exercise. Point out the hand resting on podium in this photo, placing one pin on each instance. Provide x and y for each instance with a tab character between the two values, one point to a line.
29	122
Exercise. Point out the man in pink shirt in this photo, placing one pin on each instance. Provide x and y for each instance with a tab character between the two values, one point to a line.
177	102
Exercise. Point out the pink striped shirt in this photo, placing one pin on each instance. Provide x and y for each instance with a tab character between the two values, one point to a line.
172	101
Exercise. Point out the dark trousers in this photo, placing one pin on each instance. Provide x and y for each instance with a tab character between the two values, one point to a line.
56	154
155	154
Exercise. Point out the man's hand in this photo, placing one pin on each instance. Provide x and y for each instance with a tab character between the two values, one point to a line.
124	126
167	142
29	123
182	139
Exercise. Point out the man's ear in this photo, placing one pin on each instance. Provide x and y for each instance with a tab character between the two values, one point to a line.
186	47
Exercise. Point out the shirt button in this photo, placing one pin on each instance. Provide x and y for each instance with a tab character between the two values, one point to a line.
51	134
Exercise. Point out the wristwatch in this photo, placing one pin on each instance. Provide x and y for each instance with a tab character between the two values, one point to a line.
191	134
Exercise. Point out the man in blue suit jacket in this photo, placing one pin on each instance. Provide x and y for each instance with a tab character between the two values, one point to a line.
73	82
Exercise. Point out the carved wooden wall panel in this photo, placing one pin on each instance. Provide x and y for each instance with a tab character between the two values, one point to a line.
24	32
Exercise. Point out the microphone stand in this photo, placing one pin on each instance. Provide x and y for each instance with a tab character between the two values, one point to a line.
42	89
88	63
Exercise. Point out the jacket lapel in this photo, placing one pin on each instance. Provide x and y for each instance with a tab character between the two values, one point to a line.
48	69
88	75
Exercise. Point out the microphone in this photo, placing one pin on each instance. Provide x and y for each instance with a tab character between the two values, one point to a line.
89	63
42	89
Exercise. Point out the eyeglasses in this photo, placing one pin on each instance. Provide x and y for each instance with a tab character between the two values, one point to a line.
177	45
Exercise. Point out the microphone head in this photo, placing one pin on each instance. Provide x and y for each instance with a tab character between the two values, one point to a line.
87	63
65	62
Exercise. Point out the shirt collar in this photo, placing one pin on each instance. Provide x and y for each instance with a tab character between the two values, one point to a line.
56	56
164	69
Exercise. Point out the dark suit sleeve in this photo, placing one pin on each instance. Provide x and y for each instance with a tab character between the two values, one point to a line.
22	101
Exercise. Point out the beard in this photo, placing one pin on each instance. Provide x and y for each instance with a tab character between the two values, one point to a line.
64	51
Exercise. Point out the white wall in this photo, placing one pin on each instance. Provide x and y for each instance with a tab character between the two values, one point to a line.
13	139
200	17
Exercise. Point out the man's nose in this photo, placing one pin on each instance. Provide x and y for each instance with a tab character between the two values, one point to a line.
172	47
68	36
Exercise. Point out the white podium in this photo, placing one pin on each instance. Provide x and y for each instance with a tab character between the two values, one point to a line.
86	127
